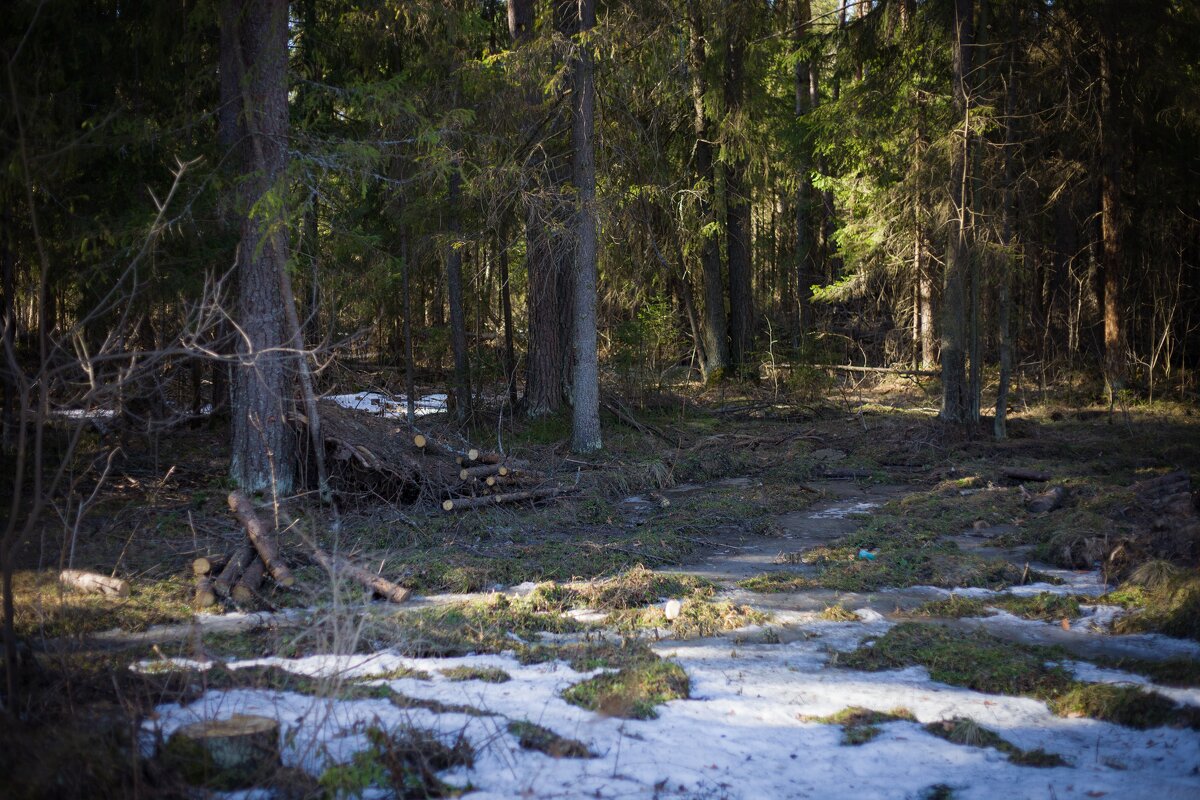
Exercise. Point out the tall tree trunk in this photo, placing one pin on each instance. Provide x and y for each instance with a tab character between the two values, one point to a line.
454	292
263	451
804	102
410	364
8	336
955	402
548	254
716	345
1110	222
1007	221
737	206
585	388
510	360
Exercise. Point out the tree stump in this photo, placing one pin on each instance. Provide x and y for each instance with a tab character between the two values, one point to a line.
227	754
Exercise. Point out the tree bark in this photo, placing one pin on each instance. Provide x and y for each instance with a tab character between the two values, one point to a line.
263	449
955	402
458	326
737	200
804	190
716	343
585	387
1110	222
510	359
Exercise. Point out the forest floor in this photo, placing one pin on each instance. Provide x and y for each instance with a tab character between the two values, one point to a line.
754	599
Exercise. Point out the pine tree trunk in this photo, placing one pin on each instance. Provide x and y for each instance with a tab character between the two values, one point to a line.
263	451
804	190
716	345
454	292
1110	225
737	206
510	359
585	399
955	404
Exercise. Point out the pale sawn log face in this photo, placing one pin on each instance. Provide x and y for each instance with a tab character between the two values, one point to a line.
225	754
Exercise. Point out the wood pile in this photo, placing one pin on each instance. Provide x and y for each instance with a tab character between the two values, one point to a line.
368	455
238	577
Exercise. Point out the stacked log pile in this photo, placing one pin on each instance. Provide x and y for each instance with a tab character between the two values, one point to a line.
238	577
369	455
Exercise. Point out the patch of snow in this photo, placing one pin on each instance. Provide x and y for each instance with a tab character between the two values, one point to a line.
391	407
740	736
1135	645
84	413
843	511
1089	584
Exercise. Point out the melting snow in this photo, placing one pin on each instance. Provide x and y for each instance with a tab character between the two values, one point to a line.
843	511
391	407
739	736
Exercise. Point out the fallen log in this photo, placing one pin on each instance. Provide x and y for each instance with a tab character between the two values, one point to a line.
463	503
428	445
94	583
1048	500
925	373
233	570
246	589
206	565
261	538
483	471
1018	474
205	595
392	592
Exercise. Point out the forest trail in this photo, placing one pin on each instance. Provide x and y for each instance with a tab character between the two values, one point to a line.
790	706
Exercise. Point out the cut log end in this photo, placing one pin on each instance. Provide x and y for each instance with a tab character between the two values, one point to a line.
205	594
447	505
420	441
207	565
233	753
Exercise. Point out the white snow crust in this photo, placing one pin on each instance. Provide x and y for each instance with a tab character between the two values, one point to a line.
739	736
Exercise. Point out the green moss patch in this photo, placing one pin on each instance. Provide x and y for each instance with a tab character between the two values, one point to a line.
588	656
1171	607
405	760
635	588
479	627
1044	606
956	606
544	740
485	674
973	659
632	692
697	618
861	725
1130	706
838	613
977	660
967	732
775	582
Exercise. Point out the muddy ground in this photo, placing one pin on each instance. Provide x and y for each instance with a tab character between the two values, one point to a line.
744	598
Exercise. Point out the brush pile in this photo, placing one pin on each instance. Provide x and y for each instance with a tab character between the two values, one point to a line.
374	456
1166	523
